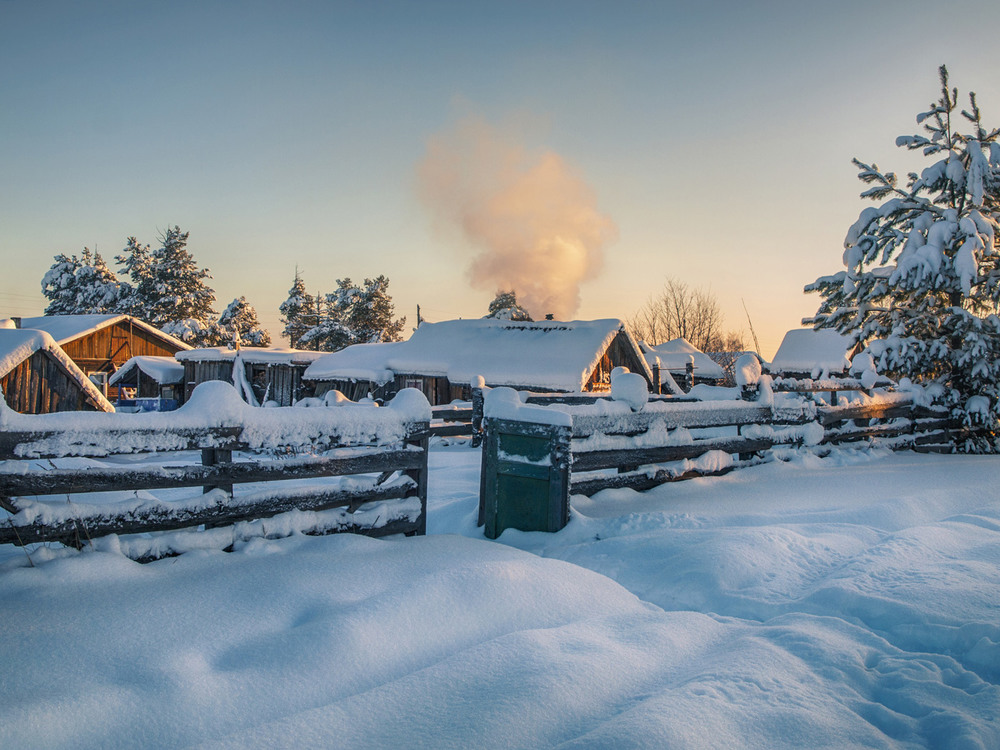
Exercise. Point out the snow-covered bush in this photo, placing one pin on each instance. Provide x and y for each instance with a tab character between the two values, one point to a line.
922	280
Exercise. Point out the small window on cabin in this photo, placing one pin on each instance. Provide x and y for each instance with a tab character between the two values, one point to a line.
100	379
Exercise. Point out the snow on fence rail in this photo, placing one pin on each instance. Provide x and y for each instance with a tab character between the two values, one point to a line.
348	442
582	448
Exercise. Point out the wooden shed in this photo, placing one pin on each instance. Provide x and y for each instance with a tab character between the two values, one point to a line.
442	359
271	374
38	378
674	359
149	384
100	344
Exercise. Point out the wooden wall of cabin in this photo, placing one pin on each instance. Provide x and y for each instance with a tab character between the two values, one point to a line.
146	387
108	348
196	372
618	354
40	385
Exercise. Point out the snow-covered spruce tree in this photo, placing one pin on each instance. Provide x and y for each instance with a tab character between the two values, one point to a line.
81	286
179	291
298	312
370	314
355	315
138	296
332	331
922	279
506	307
240	318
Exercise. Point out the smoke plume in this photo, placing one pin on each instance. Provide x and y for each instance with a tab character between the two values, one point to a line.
529	219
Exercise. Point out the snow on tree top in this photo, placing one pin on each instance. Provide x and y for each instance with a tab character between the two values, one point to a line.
164	370
548	355
257	355
674	356
807	350
65	328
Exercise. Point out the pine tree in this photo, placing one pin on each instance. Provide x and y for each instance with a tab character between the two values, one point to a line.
297	310
81	286
371	311
333	331
506	307
354	315
240	319
179	291
137	297
922	280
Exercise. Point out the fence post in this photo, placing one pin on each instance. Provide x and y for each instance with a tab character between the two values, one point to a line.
477	417
214	457
421	439
525	477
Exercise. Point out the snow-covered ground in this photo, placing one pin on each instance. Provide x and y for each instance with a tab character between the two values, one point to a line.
851	601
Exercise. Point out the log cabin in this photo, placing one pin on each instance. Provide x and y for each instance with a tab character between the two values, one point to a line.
442	359
37	377
100	344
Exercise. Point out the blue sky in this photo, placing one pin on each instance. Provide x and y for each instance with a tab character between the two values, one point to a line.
716	136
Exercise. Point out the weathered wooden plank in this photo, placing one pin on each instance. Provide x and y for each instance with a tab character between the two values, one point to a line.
741	413
165	518
641	482
594	460
15	445
69	481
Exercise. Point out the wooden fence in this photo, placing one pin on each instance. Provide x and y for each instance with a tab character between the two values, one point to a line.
387	474
663	442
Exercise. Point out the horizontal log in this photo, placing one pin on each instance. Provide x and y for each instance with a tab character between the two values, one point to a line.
641	482
14	445
167	518
832	414
594	460
451	430
70	481
935	426
56	444
452	415
692	418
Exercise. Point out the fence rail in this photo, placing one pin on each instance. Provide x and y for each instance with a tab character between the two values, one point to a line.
358	465
643	449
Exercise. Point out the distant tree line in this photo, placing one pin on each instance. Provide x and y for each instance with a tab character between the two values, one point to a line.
163	287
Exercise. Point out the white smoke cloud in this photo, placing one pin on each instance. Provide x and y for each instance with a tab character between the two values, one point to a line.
529	218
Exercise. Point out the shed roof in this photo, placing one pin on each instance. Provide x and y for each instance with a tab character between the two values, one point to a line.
164	370
805	350
66	328
548	355
257	355
674	356
17	345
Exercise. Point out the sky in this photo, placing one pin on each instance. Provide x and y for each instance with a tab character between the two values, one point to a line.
707	142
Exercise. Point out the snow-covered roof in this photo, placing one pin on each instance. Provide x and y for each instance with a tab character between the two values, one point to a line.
18	345
547	355
274	355
66	328
674	356
808	350
163	370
